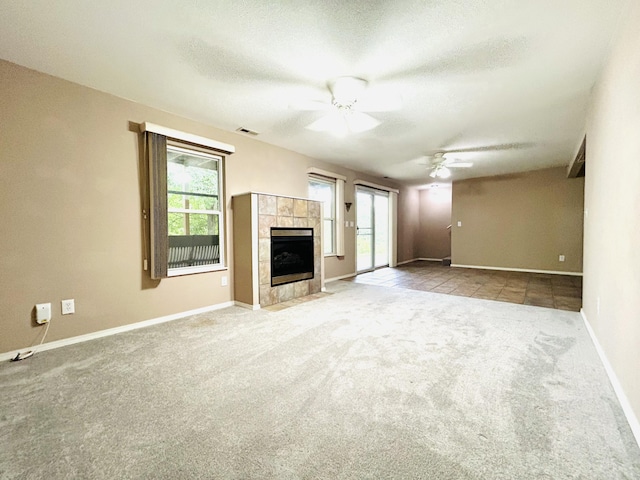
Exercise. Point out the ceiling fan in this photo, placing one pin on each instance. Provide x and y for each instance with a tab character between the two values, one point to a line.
346	111
441	163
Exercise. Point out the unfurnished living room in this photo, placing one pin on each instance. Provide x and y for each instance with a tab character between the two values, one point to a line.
320	240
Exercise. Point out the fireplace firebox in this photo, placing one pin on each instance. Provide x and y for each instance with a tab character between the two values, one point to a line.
291	255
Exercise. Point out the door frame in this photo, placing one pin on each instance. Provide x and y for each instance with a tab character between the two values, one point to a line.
373	192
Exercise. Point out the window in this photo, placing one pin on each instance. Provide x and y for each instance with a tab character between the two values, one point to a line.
185	202
325	191
194	215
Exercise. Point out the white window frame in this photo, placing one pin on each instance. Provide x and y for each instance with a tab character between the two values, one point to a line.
155	208
212	267
338	219
328	216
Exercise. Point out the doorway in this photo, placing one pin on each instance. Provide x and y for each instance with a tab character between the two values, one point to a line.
372	229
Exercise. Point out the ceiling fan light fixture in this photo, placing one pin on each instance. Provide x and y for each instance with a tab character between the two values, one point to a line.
444	172
441	172
343	117
346	90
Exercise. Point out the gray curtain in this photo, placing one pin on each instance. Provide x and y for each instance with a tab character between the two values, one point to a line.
157	156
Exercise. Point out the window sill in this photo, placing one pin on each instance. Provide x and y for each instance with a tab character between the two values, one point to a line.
330	255
178	272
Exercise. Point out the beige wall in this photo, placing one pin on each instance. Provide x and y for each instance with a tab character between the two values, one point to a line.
408	223
435	217
612	211
70	205
519	221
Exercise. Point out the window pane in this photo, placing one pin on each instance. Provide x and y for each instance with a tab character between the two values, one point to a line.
193	202
323	192
192	173
193	224
202	224
177	225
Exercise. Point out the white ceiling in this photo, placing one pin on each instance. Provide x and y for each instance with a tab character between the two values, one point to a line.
506	80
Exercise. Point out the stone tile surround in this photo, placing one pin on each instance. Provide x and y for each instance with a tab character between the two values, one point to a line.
276	211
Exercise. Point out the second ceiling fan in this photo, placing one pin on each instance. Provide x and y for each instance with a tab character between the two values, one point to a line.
441	163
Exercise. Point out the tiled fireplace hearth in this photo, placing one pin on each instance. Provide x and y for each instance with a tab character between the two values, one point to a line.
254	217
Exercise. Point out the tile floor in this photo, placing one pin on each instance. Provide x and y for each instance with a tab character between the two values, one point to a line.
563	292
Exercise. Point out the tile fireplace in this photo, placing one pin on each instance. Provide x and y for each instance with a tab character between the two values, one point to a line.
277	248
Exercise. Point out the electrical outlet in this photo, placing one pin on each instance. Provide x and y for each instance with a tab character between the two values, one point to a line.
68	307
224	281
561	258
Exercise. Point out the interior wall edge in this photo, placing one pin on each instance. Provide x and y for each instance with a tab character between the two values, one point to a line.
630	415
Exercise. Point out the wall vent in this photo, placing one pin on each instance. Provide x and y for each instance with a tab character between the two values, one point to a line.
246	130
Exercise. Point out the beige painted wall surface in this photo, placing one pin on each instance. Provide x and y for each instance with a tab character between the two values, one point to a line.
242	250
435	217
70	205
612	203
519	221
408	224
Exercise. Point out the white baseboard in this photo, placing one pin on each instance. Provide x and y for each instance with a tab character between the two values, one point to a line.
113	331
246	305
527	270
407	261
420	259
617	387
341	277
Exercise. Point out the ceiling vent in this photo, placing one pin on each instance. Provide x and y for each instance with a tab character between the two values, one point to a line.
577	167
247	131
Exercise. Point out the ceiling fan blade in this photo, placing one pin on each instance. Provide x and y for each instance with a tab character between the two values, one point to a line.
360	122
423	160
490	148
327	123
310	105
378	103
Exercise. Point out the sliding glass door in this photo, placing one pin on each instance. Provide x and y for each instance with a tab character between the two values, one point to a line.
372	237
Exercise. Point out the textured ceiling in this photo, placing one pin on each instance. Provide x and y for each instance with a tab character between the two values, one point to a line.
504	83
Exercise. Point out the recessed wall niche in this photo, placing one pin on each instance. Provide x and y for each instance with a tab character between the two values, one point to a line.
254	215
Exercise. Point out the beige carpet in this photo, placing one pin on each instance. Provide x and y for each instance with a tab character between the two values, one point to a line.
368	382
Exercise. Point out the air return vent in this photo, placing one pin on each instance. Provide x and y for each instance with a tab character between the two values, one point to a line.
246	130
